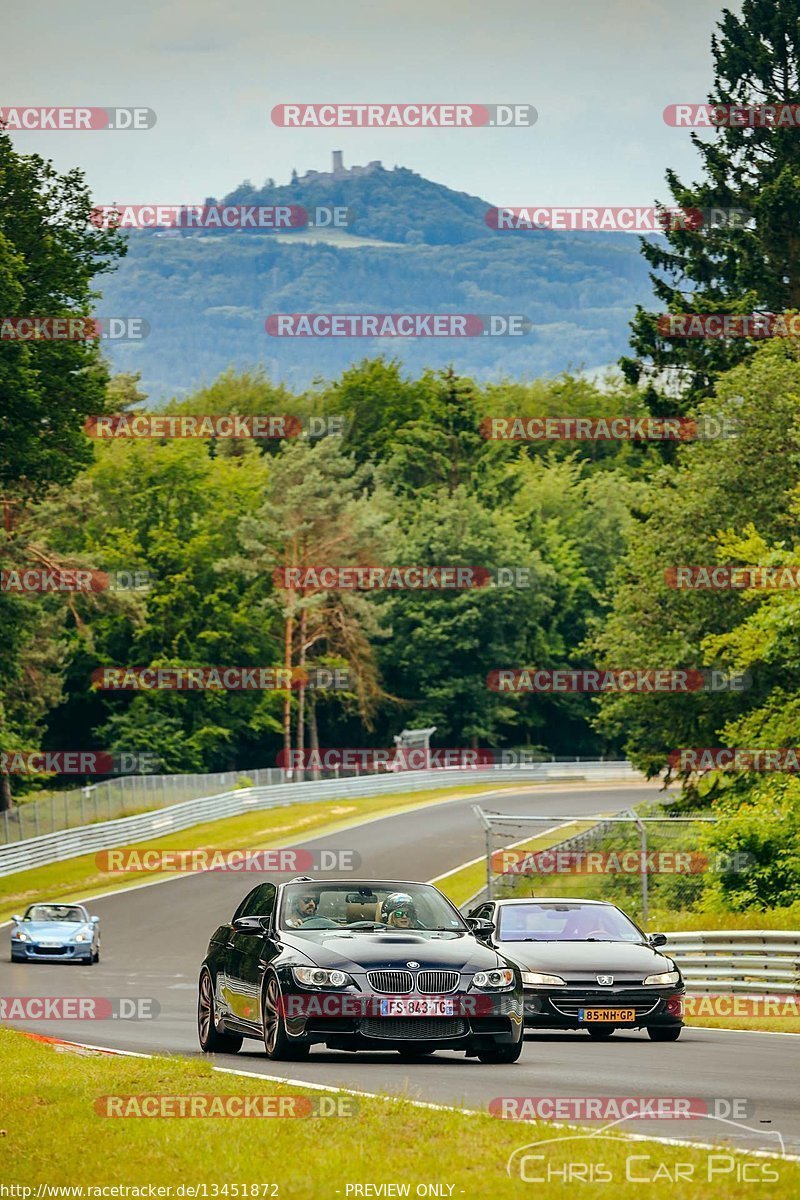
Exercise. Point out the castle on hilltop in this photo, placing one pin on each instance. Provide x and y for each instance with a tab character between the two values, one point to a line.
340	171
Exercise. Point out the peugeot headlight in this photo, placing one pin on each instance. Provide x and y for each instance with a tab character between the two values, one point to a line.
83	937
665	978
317	977
537	979
20	936
501	979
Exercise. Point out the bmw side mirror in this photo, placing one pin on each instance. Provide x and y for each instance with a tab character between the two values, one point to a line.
480	926
16	918
250	924
658	939
95	920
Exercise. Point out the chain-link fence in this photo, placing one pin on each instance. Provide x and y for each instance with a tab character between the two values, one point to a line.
649	863
120	797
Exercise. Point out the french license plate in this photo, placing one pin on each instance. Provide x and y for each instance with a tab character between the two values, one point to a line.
417	1006
50	945
617	1015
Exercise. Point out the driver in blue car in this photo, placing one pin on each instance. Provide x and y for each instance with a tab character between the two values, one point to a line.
399	912
301	909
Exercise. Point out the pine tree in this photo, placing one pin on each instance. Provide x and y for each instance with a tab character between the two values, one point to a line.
750	265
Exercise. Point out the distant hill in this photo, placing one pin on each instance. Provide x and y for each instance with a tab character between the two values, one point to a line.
207	295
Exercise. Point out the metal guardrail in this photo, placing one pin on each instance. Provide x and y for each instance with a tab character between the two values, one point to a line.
747	961
106	835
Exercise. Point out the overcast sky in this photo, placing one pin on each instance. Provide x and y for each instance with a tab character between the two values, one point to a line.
599	72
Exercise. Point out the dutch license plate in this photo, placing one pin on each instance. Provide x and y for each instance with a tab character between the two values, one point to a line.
617	1015
417	1006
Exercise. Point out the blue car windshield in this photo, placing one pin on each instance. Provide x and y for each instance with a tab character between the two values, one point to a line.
55	912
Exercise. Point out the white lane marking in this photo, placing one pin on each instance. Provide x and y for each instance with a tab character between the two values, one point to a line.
467	1112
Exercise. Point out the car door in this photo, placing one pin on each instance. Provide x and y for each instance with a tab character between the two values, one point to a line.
246	956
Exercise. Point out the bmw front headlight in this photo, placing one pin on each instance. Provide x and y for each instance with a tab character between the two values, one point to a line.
501	979
537	979
662	980
317	977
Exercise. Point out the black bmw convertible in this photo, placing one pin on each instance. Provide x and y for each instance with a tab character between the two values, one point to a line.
366	965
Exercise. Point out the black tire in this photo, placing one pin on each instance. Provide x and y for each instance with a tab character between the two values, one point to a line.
600	1031
86	962
96	956
276	1040
664	1033
495	1052
210	1038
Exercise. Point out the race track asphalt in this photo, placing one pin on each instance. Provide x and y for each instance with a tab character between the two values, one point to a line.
154	938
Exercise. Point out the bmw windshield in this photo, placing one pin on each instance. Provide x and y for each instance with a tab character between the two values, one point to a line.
378	906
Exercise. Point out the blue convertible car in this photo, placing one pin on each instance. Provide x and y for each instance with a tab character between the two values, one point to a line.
55	933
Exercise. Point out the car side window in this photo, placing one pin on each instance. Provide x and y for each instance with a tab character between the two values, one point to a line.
258	903
484	912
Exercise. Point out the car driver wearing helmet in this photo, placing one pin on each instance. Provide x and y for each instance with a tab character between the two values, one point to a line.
398	911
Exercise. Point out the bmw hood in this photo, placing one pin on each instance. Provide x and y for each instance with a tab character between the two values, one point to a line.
576	960
343	951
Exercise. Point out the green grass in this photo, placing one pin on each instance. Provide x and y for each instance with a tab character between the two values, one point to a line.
79	878
51	1133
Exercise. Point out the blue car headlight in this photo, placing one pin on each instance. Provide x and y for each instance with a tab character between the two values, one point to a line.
19	936
82	937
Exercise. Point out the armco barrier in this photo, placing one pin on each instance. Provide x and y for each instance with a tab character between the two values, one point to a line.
751	961
106	835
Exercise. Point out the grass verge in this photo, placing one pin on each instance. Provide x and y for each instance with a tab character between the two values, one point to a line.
51	1133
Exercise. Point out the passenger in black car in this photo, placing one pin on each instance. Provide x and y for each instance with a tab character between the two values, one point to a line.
399	912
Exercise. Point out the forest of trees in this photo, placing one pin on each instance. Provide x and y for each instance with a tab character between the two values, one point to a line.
411	479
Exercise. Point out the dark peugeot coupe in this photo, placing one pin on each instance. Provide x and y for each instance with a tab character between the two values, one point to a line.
585	965
365	965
